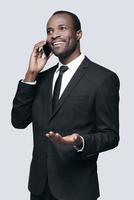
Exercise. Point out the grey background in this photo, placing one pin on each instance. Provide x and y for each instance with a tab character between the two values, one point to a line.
108	40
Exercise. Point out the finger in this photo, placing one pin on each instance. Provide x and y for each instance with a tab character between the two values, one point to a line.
38	45
57	138
78	140
75	136
50	134
53	135
41	43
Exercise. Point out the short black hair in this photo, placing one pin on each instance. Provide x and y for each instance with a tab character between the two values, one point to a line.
76	21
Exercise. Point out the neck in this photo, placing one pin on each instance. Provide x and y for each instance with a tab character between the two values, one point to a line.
70	58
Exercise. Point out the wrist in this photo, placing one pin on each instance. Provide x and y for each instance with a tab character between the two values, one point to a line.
30	76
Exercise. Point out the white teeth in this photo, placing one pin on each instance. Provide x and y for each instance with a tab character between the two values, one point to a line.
56	43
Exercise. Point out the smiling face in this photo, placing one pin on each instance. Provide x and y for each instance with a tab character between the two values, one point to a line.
62	38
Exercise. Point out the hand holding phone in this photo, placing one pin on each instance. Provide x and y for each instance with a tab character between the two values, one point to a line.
38	59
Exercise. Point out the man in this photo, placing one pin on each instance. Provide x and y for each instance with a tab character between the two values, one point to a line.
69	132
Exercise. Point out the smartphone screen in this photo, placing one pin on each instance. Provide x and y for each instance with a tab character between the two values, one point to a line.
47	49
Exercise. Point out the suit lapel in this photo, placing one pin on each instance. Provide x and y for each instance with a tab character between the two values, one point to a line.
73	82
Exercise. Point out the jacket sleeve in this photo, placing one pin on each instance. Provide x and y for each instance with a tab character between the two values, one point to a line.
106	134
21	114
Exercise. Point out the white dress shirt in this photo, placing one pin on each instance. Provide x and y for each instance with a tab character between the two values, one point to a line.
72	67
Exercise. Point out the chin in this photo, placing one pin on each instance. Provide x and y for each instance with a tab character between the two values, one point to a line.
60	54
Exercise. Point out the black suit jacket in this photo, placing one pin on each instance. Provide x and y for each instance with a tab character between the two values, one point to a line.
88	106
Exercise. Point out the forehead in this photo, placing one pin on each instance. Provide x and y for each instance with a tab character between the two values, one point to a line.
60	19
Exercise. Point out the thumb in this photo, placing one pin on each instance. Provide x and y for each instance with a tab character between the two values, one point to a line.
76	137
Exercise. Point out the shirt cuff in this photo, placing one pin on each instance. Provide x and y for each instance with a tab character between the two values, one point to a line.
29	83
82	148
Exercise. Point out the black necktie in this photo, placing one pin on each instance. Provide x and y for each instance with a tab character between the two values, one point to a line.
58	86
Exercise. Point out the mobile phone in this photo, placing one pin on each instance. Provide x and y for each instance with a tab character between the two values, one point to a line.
46	49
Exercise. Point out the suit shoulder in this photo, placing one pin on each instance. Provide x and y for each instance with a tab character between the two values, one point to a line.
100	71
99	75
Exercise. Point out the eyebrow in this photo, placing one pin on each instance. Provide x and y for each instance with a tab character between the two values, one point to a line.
58	26
63	25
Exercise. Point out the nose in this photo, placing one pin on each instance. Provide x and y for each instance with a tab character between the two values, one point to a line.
55	34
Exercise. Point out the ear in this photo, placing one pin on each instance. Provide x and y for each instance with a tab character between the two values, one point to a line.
78	34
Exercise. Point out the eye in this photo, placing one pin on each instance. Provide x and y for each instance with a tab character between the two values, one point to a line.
63	28
49	31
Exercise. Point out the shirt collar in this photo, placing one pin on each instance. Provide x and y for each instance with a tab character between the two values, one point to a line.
73	65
